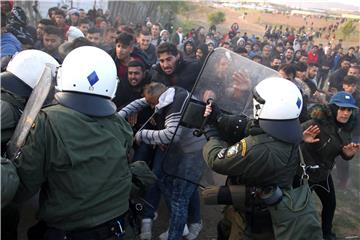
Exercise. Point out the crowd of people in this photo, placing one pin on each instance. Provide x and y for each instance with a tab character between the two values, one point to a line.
157	68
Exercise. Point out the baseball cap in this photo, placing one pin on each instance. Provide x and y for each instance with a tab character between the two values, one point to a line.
343	99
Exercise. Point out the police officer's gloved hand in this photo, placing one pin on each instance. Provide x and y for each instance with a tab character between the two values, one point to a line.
215	115
210	132
232	127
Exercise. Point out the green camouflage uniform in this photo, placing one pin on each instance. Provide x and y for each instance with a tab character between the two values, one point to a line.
80	165
11	109
258	160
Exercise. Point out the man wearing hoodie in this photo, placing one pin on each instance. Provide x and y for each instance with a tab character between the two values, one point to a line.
189	50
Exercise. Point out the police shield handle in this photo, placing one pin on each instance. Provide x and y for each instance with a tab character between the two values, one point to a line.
33	106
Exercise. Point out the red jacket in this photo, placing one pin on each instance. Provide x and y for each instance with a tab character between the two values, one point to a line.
312	57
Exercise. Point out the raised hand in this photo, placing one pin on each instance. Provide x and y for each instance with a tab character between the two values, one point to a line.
309	134
351	149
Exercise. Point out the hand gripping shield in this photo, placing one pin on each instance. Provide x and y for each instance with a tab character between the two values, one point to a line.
227	79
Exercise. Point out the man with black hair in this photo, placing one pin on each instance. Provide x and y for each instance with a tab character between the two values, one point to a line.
354	71
94	36
289	56
109	38
336	78
144	43
59	16
155	34
132	86
173	70
303	58
51	13
241	51
52	39
40	32
275	63
310	76
313	55
350	54
266	55
124	52
82	14
257	58
84	25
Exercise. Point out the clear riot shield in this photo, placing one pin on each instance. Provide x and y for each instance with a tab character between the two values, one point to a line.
227	79
33	106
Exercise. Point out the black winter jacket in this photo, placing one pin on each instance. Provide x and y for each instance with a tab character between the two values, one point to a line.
333	136
184	76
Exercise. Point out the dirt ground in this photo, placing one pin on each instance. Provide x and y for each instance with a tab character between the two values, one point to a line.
346	221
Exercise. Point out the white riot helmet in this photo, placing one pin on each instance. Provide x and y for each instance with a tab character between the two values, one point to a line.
87	81
26	67
277	107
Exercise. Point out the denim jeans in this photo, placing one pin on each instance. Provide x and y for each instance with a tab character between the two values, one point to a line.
178	193
153	195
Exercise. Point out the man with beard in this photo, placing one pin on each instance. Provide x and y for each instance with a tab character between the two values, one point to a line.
336	78
172	69
94	36
137	78
123	53
266	55
289	56
310	76
275	63
144	43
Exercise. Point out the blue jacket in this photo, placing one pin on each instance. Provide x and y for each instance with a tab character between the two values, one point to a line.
9	44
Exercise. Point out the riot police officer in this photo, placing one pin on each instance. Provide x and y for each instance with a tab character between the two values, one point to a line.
76	154
17	83
267	157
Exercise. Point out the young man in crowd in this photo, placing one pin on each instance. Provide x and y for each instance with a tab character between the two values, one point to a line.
144	43
84	25
40	32
94	36
52	39
155	34
173	70
59	16
109	39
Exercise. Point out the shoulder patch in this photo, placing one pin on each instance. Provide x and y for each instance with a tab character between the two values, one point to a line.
233	150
